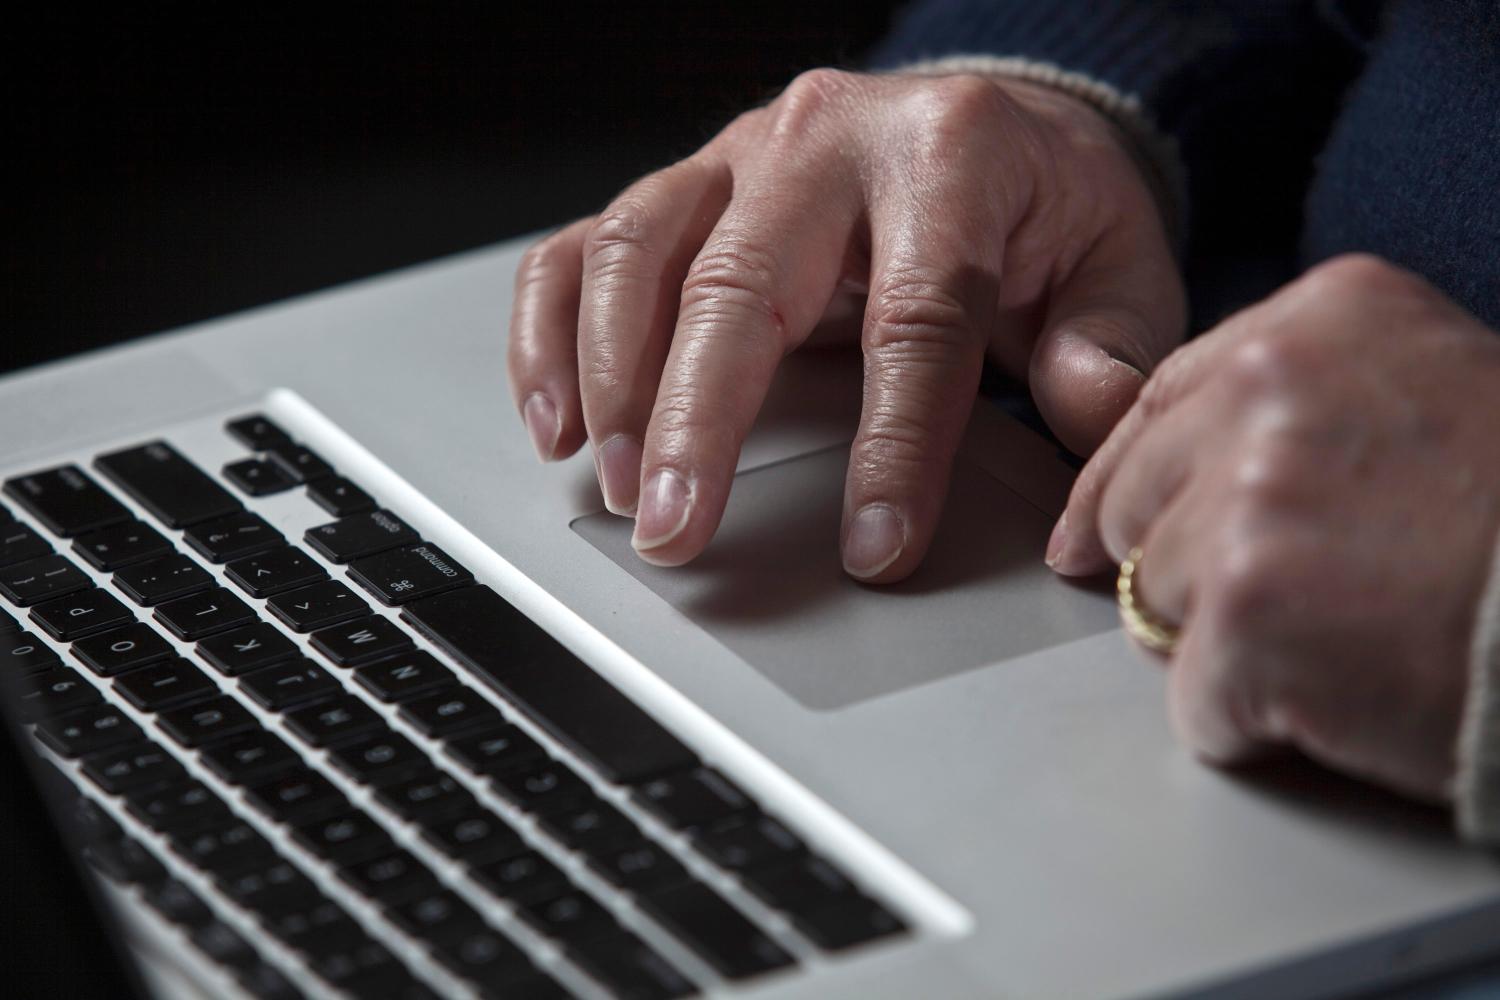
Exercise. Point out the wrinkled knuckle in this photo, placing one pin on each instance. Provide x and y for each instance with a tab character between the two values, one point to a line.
916	312
813	91
895	445
1263	366
949	112
545	260
729	280
620	235
1362	275
1269	475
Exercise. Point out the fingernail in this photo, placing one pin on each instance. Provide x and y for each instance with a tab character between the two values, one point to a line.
1057	541
875	539
666	500
542	424
618	461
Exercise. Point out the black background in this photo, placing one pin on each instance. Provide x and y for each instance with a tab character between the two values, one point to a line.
179	161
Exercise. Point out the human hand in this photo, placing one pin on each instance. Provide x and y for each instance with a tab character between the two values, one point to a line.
966	214
1315	486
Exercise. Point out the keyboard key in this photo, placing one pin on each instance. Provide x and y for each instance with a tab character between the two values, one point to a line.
50	693
40	579
339	496
379	759
120	545
573	917
172	488
846	923
249	758
390	878
274	572
716	931
136	765
405	677
439	917
591	827
246	649
293	682
188	806
406	574
224	945
274	887
122	649
178	904
200	615
66	500
360	535
87	818
497	751
232	536
311	923
257	432
360	970
24	653
318	606
473	835
19	542
165	685
745	841
692	799
299	463
81	614
628	967
257	477
362	640
342	719
803	883
345	838
8	623
126	861
426	797
202	723
547	788
531	669
638	867
525	877
451	712
88	731
163	579
226	850
297	797
266	982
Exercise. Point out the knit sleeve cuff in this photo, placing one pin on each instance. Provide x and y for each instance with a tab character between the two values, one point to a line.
1155	152
1476	788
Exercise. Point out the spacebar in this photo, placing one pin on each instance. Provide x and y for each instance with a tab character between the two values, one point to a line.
562	693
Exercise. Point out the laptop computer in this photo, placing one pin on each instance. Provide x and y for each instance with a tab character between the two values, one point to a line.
341	693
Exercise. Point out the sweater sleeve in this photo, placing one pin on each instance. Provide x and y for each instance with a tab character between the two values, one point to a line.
1476	789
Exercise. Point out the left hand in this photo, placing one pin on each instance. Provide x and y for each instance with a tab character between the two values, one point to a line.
1315	485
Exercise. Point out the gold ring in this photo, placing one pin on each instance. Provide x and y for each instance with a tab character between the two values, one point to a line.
1140	623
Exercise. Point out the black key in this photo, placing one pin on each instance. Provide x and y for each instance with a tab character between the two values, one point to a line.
630	969
591	827
353	967
66	500
81	614
300	463
5	514
547	788
19	542
206	721
573	917
198	615
256	432
496	751
342	719
55	691
120	545
404	677
451	712
426	797
40	579
294	682
692	799
361	641
439	917
473	835
274	887
246	649
122	649
178	904
318	606
537	987
803	883
258	477
360	535
229	849
379	759
266	982
172	488
747	840
716	931
224	945
232	536
533	670
525	877
488	958
390	878
188	806
846	923
7	622
165	685
249	758
406	574
88	731
163	579
126	861
24	653
317	922
92	824
274	572
345	838
339	496
297	797
638	867
138	765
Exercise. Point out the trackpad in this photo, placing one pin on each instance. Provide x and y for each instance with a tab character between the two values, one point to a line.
771	587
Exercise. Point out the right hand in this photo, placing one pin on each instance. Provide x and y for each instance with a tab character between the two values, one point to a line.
960	215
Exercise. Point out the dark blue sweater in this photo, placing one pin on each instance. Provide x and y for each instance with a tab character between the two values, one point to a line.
1306	128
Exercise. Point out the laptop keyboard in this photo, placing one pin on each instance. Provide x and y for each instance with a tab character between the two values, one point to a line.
339	764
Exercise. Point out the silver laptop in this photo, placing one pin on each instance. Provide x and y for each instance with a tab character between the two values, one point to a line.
355	698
